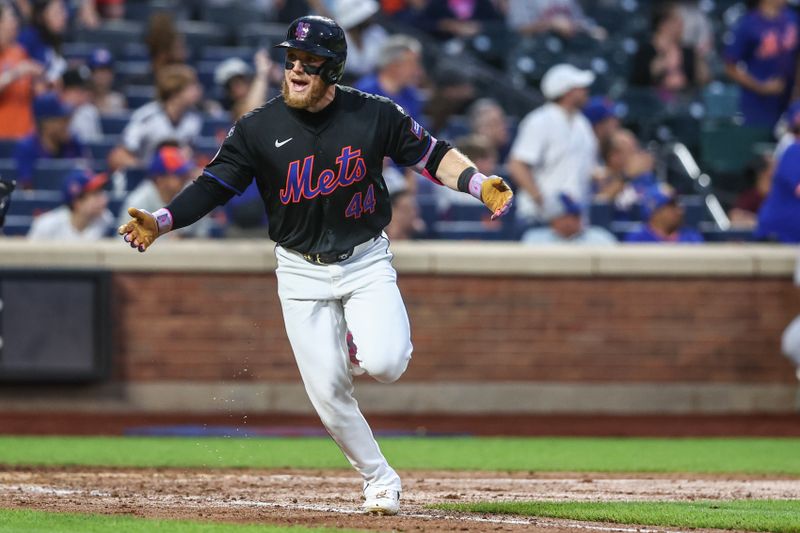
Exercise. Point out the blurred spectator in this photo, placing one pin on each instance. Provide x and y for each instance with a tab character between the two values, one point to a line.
109	9
762	59
398	75
479	150
698	32
52	139
408	12
779	216
168	173
76	94
627	172
664	219
566	227
104	97
170	117
406	223
453	91
664	62
603	114
562	17
459	18
555	150
16	79
488	119
84	215
243	90
42	38
758	174
166	45
365	38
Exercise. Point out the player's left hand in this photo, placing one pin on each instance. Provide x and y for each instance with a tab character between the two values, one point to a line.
497	196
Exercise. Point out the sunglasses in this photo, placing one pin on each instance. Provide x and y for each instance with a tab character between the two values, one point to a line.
311	70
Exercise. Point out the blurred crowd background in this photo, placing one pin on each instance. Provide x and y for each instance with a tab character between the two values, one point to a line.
615	120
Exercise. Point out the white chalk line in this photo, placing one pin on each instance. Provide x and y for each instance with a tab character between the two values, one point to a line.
53	491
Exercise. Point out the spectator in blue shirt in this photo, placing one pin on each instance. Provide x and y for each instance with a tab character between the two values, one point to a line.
398	75
664	219
43	37
779	216
52	139
762	60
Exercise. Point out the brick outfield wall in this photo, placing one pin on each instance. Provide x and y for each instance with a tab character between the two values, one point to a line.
211	327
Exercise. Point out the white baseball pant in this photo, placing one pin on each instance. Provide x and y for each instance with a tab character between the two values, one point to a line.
320	303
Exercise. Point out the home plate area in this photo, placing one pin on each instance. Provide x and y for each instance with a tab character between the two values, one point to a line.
332	497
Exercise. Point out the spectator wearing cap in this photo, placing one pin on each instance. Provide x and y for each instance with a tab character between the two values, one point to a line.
42	38
168	173
555	150
169	118
663	62
76	94
603	114
365	38
664	219
565	18
84	215
399	74
104	97
627	172
565	226
779	216
16	79
762	59
243	90
488	119
52	139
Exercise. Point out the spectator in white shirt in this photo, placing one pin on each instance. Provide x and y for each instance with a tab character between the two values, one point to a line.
365	38
172	117
566	227
555	150
84	215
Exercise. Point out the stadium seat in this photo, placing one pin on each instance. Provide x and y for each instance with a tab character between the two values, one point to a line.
139	95
601	214
8	168
33	203
77	51
695	210
101	149
113	34
206	145
200	33
7	147
133	177
16	225
132	72
261	35
134	52
221	53
721	100
215	127
114	124
49	174
727	147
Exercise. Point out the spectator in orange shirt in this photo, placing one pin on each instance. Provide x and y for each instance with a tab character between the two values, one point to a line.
16	74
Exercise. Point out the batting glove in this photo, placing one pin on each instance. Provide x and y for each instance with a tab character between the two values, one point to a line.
493	191
145	227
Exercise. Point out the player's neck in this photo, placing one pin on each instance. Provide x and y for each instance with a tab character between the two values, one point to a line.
325	101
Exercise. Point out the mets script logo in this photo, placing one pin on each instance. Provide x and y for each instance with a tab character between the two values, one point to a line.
350	169
301	33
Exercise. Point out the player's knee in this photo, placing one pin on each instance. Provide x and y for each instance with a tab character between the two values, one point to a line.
389	369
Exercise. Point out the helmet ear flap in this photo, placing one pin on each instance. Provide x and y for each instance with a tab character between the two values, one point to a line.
332	71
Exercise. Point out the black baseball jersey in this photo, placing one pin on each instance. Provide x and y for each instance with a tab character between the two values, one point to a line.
320	174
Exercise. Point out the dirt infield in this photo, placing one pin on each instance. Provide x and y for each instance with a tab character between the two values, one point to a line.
331	498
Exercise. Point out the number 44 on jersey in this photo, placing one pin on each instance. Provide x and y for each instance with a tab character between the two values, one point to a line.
359	206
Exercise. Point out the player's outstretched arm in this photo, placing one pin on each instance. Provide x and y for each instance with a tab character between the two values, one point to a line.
459	173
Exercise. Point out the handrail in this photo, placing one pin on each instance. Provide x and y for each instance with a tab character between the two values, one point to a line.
702	183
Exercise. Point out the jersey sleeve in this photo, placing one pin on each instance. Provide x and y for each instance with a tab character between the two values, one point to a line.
407	143
233	166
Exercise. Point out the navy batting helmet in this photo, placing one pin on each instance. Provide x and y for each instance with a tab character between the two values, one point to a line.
323	37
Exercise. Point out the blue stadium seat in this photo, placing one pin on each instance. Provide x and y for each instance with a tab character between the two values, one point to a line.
215	127
201	33
114	124
113	34
466	230
601	214
133	177
7	147
33	203
695	210
206	145
133	72
139	95
221	53
134	52
17	225
101	149
261	35
49	173
8	168
77	51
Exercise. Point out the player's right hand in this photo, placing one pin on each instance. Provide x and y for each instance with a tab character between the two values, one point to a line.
141	230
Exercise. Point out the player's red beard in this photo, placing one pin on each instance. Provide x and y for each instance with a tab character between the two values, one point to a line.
314	94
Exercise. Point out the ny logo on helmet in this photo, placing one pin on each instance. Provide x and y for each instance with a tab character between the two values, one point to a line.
301	33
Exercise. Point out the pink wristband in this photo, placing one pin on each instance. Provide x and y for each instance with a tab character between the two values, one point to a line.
163	220
475	183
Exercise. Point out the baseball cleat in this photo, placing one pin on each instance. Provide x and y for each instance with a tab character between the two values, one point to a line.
385	502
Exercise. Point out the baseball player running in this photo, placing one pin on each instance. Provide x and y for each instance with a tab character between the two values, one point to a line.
316	153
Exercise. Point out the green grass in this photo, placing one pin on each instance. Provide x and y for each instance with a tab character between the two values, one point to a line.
42	522
710	455
780	516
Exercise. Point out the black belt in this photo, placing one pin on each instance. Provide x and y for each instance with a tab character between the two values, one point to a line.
334	257
328	259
